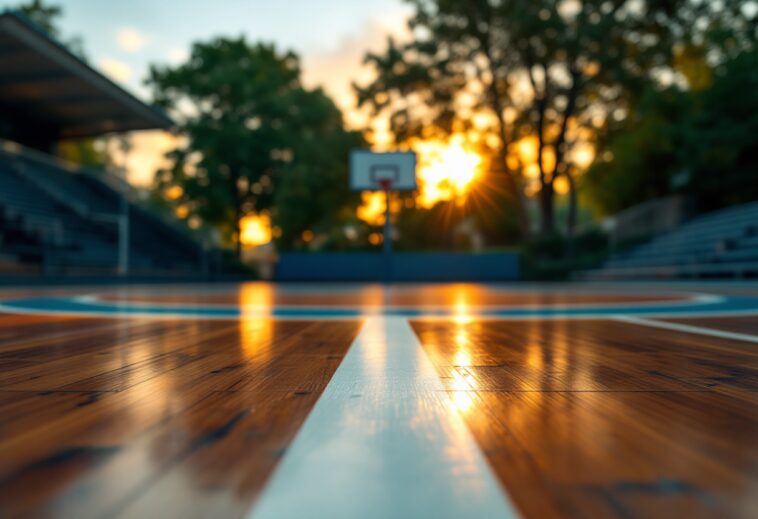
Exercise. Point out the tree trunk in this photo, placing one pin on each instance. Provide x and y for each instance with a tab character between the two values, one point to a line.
572	212
546	209
571	219
560	143
513	188
237	231
496	104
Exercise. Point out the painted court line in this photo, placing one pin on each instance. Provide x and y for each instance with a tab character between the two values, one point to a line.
384	440
691	300
86	306
721	334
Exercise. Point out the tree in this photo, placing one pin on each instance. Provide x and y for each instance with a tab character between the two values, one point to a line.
699	142
559	70
722	145
43	15
313	192
643	156
250	126
46	18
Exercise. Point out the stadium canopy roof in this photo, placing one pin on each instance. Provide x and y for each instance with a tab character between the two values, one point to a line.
49	90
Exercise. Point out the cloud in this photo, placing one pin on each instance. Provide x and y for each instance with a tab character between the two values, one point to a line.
177	55
130	39
147	154
337	69
115	69
334	70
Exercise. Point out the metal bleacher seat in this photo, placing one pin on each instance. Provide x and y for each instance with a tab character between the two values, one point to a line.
70	219
719	244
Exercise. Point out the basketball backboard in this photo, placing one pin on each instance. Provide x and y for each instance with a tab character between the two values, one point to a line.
370	171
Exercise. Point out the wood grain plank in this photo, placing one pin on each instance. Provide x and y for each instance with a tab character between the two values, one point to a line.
747	325
190	411
601	418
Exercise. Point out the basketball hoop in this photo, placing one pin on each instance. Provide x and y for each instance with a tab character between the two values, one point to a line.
370	171
390	171
385	183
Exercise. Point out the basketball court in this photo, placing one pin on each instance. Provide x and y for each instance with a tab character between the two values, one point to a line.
448	400
336	399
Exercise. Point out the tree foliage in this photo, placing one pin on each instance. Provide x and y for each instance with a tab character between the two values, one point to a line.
256	139
313	191
562	70
698	142
46	16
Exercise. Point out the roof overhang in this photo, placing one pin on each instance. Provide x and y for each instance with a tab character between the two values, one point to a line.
43	83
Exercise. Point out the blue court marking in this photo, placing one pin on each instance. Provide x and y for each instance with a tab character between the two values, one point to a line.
78	306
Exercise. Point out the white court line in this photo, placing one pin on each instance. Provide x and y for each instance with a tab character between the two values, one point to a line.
692	300
383	441
687	328
10	309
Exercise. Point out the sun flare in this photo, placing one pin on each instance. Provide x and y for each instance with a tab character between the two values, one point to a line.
255	230
446	171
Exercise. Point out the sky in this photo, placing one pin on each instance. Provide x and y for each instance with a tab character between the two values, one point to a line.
122	39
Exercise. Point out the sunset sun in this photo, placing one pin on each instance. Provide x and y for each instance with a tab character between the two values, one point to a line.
446	171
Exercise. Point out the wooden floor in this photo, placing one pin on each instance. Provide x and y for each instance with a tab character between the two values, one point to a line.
747	325
604	419
124	418
156	417
373	296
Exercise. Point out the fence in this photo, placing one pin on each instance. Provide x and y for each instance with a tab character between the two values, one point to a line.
402	266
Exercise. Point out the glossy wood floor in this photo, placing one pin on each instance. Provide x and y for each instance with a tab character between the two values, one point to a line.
607	419
376	295
148	418
748	325
133	418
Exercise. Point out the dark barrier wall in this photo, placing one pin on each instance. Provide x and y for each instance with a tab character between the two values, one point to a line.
402	267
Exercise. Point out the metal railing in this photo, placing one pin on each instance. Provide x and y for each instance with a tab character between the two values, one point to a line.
50	229
103	175
22	159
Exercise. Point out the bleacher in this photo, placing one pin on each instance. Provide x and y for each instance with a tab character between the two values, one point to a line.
719	244
57	220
